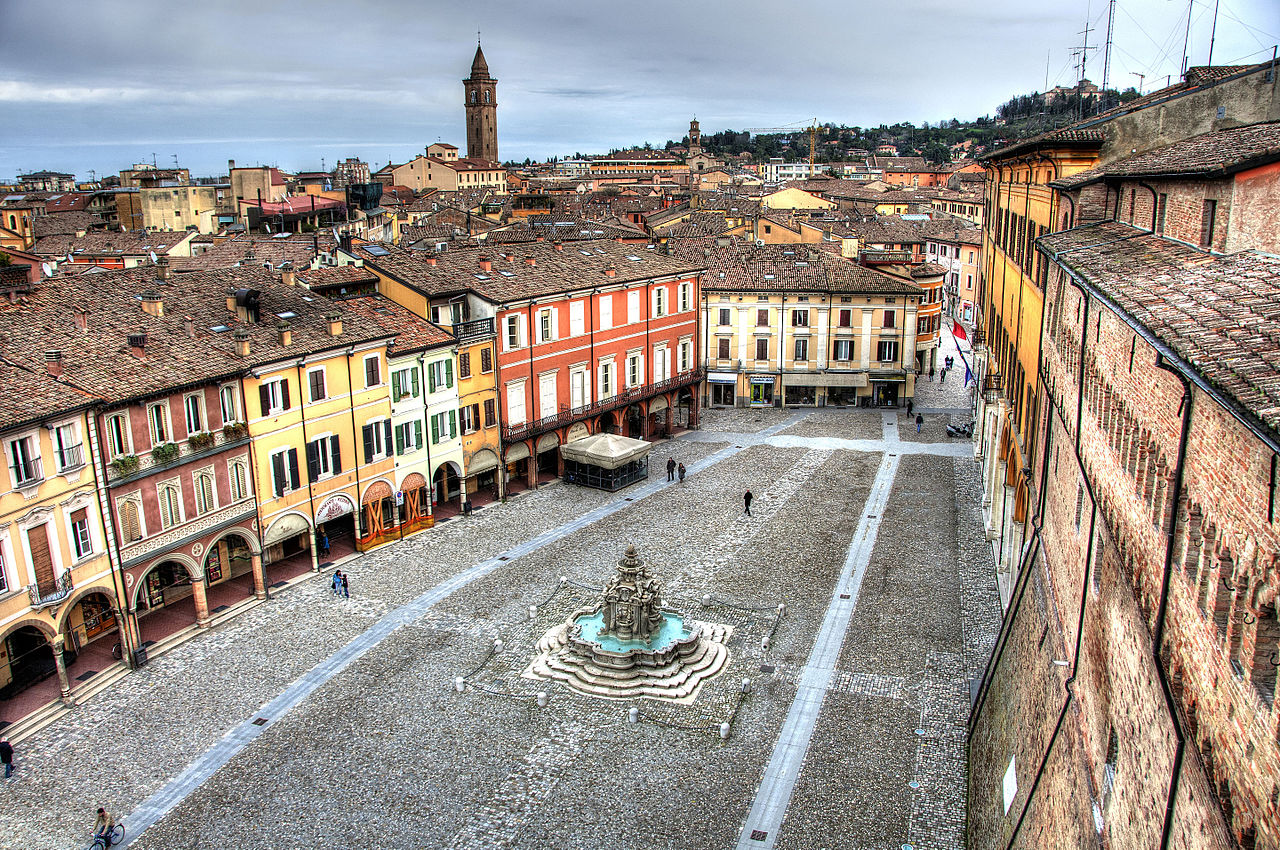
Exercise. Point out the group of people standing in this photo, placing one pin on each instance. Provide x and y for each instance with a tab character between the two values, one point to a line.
340	586
674	469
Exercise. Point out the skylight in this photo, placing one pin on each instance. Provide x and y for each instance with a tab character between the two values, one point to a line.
281	235
219	329
507	274
376	250
287	314
482	277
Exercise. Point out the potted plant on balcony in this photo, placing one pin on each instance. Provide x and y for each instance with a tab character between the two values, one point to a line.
234	430
126	465
200	441
165	453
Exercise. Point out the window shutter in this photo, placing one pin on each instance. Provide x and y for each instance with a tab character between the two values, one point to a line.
435	429
284	395
453	423
367	433
395	385
399	442
294	478
277	473
416	384
417	434
335	448
448	373
431	378
264	398
386	435
313	460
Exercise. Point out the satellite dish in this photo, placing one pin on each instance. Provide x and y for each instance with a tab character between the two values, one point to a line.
48	269
266	227
153	257
68	256
335	234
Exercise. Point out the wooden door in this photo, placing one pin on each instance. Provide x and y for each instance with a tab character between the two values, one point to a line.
41	559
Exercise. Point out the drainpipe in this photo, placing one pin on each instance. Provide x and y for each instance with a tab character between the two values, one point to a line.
1166	832
127	621
311	491
782	352
351	394
426	429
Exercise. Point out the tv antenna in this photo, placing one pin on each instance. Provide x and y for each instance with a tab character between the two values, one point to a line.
1141	80
175	162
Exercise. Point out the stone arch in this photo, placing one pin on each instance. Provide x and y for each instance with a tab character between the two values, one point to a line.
42	626
377	489
547	442
255	546
193	572
79	594
412	482
286	518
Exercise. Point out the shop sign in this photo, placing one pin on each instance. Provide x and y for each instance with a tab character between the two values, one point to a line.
761	379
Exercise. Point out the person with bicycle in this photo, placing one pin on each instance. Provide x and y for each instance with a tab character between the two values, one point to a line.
102	826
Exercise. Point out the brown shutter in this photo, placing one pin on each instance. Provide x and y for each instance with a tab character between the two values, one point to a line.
41	560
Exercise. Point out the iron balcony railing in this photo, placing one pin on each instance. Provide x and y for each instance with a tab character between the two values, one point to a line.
573	414
60	591
26	472
475	329
71	457
872	256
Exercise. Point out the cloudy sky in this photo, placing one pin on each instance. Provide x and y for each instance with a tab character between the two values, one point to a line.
103	84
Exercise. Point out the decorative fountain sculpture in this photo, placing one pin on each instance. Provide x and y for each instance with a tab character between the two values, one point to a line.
629	645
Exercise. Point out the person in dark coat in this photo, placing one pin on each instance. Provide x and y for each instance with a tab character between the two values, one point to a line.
6	757
671	469
324	543
911	405
919	422
746	502
682	473
346	589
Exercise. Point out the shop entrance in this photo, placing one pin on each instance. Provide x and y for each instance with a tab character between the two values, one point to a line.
165	602
761	393
886	395
30	660
722	395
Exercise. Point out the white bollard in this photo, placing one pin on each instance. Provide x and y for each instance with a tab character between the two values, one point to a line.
706	600
724	731
633	715
497	646
564	579
533	611
746	686
542	699
782	608
459	684
764	643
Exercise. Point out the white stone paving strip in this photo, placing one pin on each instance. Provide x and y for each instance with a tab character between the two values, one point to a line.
760	832
159	804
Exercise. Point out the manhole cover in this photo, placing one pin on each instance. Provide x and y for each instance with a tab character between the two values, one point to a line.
759	835
260	721
504	557
913	784
844	596
767	668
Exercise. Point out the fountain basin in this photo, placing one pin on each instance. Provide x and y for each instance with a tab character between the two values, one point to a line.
672	640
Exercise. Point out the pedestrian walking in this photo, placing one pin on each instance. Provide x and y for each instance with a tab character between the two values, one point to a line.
337	582
919	422
682	473
671	469
931	371
324	543
6	757
910	406
746	502
346	589
942	377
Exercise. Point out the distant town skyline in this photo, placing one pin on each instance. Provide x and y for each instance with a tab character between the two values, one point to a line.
105	85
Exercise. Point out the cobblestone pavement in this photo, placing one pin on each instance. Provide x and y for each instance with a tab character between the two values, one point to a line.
385	753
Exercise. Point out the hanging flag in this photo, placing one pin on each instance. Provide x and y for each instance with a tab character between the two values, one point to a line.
958	331
968	376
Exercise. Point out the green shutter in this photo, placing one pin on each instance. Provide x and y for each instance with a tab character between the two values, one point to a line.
399	442
395	386
431	378
453	423
416	385
417	434
448	373
435	429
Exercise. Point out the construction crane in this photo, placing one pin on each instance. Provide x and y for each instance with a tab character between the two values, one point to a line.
810	126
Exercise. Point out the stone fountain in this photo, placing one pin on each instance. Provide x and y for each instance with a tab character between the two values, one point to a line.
629	645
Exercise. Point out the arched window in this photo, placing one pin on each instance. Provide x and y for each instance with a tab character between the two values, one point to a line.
170	505
204	492
473	96
13	222
130	526
486	96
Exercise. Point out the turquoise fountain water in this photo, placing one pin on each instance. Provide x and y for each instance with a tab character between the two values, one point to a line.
671	630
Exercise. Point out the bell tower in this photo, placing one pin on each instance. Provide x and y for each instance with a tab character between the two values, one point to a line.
481	92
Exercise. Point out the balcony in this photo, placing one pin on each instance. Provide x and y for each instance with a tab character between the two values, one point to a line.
26	473
71	457
127	468
873	256
61	590
622	399
474	330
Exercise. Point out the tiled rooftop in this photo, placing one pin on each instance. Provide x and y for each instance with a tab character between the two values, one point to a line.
1219	314
103	242
785	268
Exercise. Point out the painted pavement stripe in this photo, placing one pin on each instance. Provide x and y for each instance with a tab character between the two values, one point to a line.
163	801
783	771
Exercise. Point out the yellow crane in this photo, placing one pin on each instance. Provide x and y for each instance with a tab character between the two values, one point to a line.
810	126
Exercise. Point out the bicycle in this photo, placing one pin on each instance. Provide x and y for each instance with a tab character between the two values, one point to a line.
113	837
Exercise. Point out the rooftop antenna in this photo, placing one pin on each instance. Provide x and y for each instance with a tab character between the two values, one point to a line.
1106	56
1186	37
154	164
1213	33
1141	79
175	162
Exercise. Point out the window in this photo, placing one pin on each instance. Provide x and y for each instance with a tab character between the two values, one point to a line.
486	361
470	418
66	442
1161	201
408	437
170	505
762	318
315	383
890	318
634	373
846	318
490	413
515	404
842	350
606	380
273	395
239	480
405	382
606	312
129	517
158	417
577	318
324	457
762	349
887	350
444	426
228	402
439	375
633	307
546	325
722	348
724	316
515	332
802	349
799	318
204	492
464	364
970	257
1206	223
686	355
660	301
686	296
376	437
81	542
118	435
372	371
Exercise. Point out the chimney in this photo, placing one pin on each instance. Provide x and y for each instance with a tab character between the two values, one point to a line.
231	166
530	261
431	260
334	320
611	271
558	245
285	330
486	264
152	304
242	342
81	318
138	345
80	234
162	268
231	299
288	277
509	257
541	238
53	361
344	242
189	325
